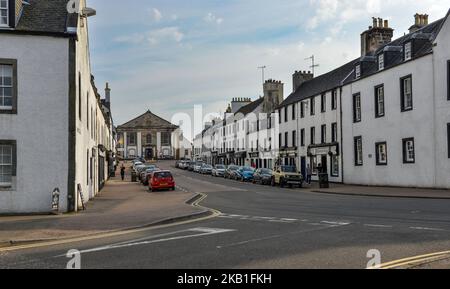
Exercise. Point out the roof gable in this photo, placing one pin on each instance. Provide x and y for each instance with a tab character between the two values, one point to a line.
148	120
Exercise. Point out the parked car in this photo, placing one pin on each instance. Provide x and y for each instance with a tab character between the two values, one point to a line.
161	180
141	174
263	176
183	165
218	170
139	168
287	176
206	169
230	171
245	174
146	175
191	166
198	167
177	164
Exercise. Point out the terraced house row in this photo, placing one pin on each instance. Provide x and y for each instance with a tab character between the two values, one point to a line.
56	131
380	119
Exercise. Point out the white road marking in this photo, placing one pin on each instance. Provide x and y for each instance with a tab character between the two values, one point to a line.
426	229
377	226
335	223
197	232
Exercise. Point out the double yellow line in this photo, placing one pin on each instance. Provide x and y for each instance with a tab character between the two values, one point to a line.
214	214
414	261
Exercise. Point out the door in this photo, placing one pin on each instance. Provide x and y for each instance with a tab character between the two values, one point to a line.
149	153
303	166
324	164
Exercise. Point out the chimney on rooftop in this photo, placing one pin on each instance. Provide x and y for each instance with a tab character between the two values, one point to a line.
299	77
376	36
420	20
107	93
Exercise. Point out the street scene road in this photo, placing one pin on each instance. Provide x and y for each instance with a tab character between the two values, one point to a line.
263	227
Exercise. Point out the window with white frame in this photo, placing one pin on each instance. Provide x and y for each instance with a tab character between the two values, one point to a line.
406	93
6	87
379	101
358	71
408	51
6	165
357	107
358	151
381	153
4	13
409	154
381	61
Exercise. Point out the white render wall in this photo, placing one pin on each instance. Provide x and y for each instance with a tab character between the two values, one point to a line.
442	106
41	124
392	128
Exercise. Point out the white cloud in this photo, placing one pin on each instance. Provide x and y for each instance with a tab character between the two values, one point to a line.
156	14
165	34
211	18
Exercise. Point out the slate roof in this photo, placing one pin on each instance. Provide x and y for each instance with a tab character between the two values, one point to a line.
49	17
320	84
148	120
345	74
250	107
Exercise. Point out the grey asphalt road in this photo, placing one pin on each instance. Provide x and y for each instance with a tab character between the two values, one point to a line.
263	228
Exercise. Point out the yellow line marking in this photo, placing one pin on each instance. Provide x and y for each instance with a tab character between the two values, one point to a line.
215	213
411	260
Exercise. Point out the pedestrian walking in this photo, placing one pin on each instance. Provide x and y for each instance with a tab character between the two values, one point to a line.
122	172
308	174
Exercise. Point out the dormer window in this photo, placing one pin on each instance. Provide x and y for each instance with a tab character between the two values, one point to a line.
358	71
381	62
4	15
408	51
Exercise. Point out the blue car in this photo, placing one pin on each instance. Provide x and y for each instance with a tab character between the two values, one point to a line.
245	174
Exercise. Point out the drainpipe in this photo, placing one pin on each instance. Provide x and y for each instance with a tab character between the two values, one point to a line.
342	137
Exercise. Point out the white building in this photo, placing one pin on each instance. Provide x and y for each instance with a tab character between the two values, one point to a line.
52	127
152	137
396	110
381	119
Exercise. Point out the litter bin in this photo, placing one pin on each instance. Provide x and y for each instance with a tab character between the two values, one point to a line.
323	181
133	177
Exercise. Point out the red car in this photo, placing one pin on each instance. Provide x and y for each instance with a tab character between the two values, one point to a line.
161	180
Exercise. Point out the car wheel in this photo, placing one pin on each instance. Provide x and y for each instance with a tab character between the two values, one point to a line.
272	182
281	183
173	188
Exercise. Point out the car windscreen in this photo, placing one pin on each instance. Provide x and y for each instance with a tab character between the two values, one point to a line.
163	175
233	168
248	169
220	167
266	172
289	169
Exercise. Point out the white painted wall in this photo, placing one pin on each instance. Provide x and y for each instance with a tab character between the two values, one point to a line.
41	125
392	128
441	54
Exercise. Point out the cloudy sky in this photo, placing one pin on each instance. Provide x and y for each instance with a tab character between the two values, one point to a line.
169	55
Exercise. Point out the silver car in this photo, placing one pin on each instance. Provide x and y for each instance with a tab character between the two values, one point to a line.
218	171
206	170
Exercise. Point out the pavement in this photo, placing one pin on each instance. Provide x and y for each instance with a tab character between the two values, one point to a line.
121	205
263	227
374	191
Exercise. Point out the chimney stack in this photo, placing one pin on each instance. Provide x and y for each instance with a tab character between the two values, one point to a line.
299	77
376	36
107	93
420	20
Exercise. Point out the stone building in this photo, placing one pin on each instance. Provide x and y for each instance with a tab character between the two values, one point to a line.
151	137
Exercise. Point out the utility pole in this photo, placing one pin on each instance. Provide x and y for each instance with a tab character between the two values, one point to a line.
262	70
314	65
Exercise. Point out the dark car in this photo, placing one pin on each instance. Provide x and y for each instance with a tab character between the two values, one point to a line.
191	166
230	171
263	176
